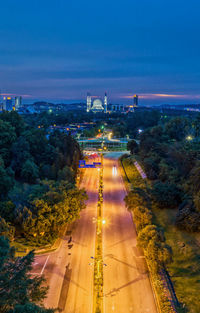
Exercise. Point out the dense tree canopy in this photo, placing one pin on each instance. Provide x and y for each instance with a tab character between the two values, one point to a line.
37	187
170	155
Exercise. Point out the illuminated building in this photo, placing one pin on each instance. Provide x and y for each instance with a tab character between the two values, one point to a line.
117	108
135	101
7	103
97	105
89	102
105	103
18	102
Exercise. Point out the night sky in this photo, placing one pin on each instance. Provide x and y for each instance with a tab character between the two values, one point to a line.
58	50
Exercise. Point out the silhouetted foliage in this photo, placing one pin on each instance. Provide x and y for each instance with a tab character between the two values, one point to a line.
17	288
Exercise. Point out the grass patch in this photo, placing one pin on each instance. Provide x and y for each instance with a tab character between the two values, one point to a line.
185	268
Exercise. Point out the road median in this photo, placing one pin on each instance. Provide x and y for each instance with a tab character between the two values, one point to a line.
98	260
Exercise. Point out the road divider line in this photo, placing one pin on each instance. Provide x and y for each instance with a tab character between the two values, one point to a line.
44	265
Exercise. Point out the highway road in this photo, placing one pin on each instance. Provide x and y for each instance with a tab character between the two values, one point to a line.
69	270
126	284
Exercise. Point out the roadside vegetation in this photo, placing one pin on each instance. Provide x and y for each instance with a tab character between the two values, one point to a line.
170	156
19	292
38	193
150	237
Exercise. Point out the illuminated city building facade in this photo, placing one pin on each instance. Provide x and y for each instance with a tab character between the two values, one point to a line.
135	101
7	103
97	105
18	102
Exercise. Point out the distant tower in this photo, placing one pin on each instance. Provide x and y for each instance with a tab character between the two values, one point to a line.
18	102
89	102
135	101
105	103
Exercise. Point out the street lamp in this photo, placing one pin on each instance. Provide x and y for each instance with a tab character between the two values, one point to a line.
189	138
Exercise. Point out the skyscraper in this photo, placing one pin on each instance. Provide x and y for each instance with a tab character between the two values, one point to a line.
7	103
105	103
18	102
135	101
89	102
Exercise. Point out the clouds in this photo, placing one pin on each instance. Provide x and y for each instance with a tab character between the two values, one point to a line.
63	49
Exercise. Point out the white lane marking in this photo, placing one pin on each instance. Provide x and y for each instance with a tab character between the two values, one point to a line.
44	265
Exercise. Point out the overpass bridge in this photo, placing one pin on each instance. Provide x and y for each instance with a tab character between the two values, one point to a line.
103	143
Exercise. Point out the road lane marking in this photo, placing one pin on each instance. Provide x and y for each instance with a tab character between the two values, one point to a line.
44	265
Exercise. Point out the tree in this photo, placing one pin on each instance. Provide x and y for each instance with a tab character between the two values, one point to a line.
166	195
6	229
158	254
151	167
6	182
40	149
148	233
188	219
132	146
142	217
30	308
15	120
7	210
30	171
177	128
66	174
136	198
194	179
16	285
7	137
20	154
196	199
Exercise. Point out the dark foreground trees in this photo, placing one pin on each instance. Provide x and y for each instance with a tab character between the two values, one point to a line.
19	292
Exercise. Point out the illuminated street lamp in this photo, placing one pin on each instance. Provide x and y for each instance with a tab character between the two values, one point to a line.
109	136
140	131
189	138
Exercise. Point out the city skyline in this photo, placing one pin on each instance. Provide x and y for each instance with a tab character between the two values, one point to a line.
60	52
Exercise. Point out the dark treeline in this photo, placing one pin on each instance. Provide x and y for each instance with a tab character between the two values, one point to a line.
170	155
19	292
37	187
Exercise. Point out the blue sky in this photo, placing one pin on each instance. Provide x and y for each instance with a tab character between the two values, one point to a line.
59	50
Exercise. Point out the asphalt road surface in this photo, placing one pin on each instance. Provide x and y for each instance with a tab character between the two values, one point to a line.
69	270
126	284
